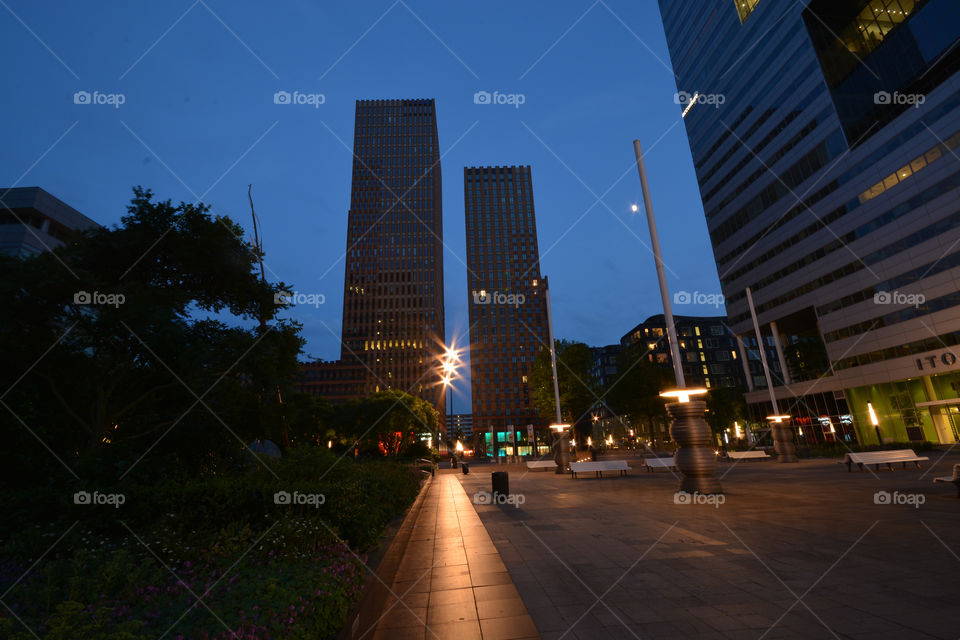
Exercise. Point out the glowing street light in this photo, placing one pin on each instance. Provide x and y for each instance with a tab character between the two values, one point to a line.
562	456
448	373
682	395
874	421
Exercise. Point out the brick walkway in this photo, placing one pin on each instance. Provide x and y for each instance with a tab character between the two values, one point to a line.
451	582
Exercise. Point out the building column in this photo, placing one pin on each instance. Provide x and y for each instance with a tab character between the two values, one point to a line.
745	362
783	362
940	421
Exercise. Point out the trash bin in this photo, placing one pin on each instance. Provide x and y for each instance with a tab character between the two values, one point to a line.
465	467
501	485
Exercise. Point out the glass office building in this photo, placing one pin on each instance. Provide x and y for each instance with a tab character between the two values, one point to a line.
825	137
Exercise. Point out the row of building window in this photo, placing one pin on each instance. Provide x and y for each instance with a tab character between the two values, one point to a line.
944	186
751	150
856	172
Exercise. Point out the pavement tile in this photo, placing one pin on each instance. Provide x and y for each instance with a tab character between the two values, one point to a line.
501	608
511	628
465	630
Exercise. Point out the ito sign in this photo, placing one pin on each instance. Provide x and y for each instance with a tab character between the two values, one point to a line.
947	359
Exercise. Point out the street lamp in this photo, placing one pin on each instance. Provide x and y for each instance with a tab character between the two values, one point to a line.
782	438
694	457
448	368
562	456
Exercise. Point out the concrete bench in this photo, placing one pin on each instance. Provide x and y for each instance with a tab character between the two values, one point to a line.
659	463
877	458
620	466
748	455
541	464
955	478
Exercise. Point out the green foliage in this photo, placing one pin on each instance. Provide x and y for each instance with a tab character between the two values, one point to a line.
724	407
636	390
578	391
387	423
125	372
101	580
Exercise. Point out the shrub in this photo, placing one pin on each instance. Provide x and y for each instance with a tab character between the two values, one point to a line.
272	570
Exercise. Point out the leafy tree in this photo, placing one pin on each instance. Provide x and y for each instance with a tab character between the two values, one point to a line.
636	389
578	391
135	335
388	422
725	405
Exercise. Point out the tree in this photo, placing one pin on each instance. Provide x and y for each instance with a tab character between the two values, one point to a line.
148	335
725	405
388	422
636	390
577	389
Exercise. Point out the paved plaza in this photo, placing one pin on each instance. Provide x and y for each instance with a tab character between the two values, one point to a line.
794	551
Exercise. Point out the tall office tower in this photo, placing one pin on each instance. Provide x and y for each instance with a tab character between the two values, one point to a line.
508	314
393	286
825	136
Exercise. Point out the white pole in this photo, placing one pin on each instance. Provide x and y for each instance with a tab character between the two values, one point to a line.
763	355
553	351
661	277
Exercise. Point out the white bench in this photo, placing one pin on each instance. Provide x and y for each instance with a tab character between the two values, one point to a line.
748	455
955	478
620	466
541	464
659	463
877	458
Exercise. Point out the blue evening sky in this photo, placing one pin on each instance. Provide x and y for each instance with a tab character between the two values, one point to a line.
198	120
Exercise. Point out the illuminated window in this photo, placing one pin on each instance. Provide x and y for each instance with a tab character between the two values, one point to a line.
877	19
745	8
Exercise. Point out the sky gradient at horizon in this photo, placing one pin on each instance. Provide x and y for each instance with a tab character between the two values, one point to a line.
199	122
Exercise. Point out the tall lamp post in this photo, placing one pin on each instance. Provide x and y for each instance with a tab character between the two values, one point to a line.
563	462
779	427
694	457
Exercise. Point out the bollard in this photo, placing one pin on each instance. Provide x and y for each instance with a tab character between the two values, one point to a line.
501	485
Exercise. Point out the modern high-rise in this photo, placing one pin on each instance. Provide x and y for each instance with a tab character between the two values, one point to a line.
393	322
825	135
508	314
710	353
33	221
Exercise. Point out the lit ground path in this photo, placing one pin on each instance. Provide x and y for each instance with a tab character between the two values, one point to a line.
451	581
795	551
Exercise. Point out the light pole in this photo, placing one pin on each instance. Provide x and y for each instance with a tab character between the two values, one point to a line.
694	457
782	435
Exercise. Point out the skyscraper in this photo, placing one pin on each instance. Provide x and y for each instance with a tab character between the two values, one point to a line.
508	316
393	322
825	136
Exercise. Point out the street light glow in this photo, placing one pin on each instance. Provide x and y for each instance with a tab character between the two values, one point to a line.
682	395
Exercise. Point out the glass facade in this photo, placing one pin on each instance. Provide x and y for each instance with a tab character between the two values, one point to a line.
830	180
